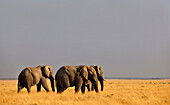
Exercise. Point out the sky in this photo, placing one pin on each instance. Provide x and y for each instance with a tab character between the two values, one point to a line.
127	38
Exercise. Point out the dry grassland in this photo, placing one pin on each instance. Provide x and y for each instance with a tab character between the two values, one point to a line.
116	92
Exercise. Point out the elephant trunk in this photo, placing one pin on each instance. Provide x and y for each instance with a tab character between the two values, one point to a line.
52	82
101	82
96	86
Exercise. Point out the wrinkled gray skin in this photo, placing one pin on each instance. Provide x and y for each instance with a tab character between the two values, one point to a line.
68	76
31	76
99	72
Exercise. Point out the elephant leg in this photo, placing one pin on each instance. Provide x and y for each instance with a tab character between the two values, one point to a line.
96	86
67	83
29	89
58	88
78	85
39	86
45	84
19	89
83	87
88	87
62	90
19	86
28	86
102	85
92	86
62	84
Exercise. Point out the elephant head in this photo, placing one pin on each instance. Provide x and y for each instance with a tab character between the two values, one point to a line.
99	72
84	73
89	73
47	71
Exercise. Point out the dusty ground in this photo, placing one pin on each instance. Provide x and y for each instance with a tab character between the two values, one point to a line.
116	92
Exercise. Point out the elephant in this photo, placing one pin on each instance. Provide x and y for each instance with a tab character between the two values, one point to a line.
78	76
31	76
99	72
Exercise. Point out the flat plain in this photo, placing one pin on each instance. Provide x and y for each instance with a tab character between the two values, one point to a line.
116	92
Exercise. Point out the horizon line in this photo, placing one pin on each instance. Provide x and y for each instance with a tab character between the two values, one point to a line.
129	78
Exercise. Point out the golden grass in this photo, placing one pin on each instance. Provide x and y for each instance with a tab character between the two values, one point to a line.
116	92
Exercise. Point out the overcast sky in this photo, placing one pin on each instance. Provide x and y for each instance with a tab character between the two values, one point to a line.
128	38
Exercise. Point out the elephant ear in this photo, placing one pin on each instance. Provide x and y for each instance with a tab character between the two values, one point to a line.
46	70
98	69
51	75
84	73
50	68
92	73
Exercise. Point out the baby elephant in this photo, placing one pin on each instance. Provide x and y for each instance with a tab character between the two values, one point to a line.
31	76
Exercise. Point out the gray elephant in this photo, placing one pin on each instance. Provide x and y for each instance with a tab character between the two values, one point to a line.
31	76
99	72
68	76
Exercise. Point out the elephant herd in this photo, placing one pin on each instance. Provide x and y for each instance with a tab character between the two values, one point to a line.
81	76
